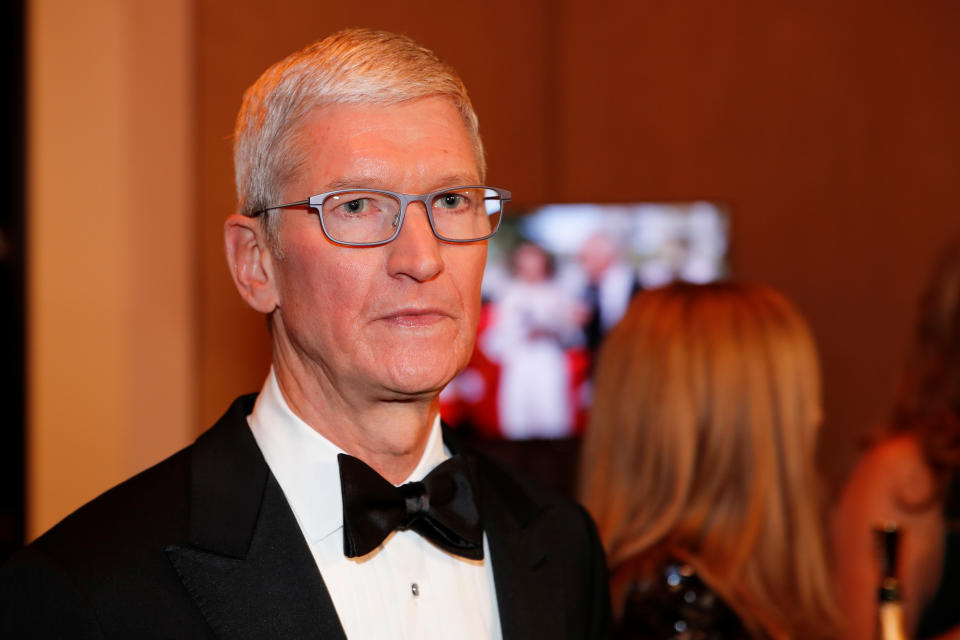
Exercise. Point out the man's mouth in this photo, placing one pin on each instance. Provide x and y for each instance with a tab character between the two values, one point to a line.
415	318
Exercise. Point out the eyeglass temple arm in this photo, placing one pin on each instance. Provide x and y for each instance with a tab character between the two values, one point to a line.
289	205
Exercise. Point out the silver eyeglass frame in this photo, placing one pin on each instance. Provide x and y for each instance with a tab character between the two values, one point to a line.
315	203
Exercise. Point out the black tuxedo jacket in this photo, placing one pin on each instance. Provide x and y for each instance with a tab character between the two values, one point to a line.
204	545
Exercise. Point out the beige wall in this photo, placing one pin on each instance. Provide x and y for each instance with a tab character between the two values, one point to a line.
830	129
111	301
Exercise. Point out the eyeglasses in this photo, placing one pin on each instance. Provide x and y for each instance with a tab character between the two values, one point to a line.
367	217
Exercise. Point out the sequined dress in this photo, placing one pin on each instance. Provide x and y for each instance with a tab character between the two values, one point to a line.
677	605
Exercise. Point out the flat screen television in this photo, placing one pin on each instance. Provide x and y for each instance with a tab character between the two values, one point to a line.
558	277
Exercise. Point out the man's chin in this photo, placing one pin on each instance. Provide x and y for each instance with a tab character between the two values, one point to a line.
419	373
416	386
408	391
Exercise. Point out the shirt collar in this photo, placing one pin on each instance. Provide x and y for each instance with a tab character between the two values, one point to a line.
305	463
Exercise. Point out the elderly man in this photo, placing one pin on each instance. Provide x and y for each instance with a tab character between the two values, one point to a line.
333	504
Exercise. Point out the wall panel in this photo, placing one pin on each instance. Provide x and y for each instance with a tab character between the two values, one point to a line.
111	375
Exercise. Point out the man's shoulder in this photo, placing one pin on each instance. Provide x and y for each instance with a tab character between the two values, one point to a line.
549	547
528	504
147	511
111	550
152	503
104	570
516	485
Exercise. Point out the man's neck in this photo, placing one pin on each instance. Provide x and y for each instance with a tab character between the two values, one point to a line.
390	436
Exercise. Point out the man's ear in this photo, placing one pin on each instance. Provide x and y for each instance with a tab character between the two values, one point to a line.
251	262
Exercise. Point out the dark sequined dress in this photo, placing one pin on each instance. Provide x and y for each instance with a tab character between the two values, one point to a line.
677	605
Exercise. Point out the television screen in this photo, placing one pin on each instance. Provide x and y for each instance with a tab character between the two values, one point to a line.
558	277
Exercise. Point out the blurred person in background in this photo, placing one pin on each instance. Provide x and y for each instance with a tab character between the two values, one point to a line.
910	475
698	466
534	321
611	282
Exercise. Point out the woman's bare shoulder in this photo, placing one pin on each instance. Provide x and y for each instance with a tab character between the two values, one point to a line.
889	475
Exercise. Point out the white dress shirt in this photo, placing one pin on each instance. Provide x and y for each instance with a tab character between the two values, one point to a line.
407	587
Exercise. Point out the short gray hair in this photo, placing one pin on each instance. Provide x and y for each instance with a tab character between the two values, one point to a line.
354	66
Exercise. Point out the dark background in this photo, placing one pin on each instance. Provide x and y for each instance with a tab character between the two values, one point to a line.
12	282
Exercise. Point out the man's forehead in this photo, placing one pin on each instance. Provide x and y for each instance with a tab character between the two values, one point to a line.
359	113
375	146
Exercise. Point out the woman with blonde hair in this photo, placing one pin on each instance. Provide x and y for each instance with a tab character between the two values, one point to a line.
698	466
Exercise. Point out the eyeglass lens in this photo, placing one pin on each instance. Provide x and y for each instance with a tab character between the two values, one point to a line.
369	216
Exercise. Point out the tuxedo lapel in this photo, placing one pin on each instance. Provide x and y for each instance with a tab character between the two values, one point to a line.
247	566
526	575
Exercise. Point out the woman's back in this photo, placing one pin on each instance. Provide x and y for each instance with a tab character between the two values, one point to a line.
675	604
700	451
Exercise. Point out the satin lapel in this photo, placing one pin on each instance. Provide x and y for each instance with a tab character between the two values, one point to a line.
529	593
247	566
525	572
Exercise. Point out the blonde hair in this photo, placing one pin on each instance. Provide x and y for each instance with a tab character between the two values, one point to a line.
701	445
354	66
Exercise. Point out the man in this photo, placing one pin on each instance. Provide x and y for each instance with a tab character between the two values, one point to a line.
610	284
283	521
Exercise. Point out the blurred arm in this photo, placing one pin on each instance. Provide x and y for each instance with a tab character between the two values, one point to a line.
890	483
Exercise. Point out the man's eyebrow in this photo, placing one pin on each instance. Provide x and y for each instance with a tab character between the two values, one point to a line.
456	180
352	183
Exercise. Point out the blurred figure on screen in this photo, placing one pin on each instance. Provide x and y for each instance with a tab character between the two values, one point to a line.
533	322
910	475
610	284
698	466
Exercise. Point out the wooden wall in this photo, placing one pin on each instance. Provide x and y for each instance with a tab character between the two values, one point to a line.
111	304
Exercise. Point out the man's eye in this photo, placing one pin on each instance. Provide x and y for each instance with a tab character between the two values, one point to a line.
355	206
452	201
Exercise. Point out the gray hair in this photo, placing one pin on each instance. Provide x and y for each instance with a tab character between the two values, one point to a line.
354	66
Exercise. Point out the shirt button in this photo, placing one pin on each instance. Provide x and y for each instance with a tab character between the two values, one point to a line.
415	589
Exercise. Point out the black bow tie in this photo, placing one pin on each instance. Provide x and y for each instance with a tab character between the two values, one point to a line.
442	508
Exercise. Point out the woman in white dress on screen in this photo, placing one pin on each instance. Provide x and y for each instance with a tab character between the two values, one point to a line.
534	321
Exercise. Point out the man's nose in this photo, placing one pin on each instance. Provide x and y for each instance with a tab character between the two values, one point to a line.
415	253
